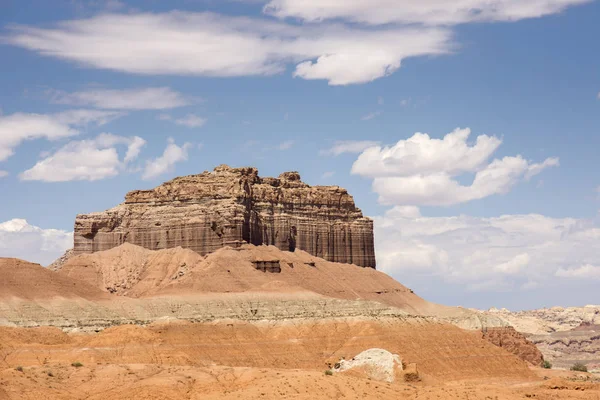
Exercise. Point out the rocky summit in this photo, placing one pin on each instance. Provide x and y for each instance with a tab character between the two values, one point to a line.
232	206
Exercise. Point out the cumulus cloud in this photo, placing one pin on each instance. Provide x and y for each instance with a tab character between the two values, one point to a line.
172	155
19	127
426	12
421	154
89	160
423	171
158	98
349	146
510	252
18	239
587	271
190	120
207	44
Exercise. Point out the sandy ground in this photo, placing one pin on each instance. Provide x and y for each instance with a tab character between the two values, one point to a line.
243	360
150	381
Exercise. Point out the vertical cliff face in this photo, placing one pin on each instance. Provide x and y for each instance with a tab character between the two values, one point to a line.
229	206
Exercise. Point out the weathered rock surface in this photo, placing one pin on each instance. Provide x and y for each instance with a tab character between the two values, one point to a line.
579	345
229	206
548	320
378	364
564	335
516	343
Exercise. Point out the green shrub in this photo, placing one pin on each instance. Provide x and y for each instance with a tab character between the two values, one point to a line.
579	367
77	364
329	372
19	368
546	364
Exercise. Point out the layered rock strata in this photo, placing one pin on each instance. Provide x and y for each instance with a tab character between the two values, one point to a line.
514	342
564	335
229	206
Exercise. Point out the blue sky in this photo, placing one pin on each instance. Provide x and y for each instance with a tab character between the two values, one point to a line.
336	94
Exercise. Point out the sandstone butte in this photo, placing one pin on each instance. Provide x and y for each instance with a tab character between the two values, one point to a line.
162	299
230	206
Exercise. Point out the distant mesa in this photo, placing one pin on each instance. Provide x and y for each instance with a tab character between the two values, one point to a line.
230	207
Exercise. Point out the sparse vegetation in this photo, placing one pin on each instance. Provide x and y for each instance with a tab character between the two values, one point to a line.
579	367
329	372
77	364
19	368
50	374
546	364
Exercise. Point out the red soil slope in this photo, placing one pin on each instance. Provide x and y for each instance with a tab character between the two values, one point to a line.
24	280
136	272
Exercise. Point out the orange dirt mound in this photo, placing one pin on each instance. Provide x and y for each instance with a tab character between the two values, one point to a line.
133	271
24	280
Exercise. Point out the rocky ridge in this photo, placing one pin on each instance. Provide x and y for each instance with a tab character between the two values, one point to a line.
231	206
564	335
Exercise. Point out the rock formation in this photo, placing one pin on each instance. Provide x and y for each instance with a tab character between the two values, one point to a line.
230	206
564	335
514	342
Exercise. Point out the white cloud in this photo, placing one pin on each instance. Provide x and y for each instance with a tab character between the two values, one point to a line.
422	171
535	169
3	174
83	117
505	253
134	148
380	101
327	175
19	127
158	98
172	155
587	271
515	265
427	12
404	212
421	154
164	117
191	121
371	115
90	160
288	144
18	239
349	146
207	44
